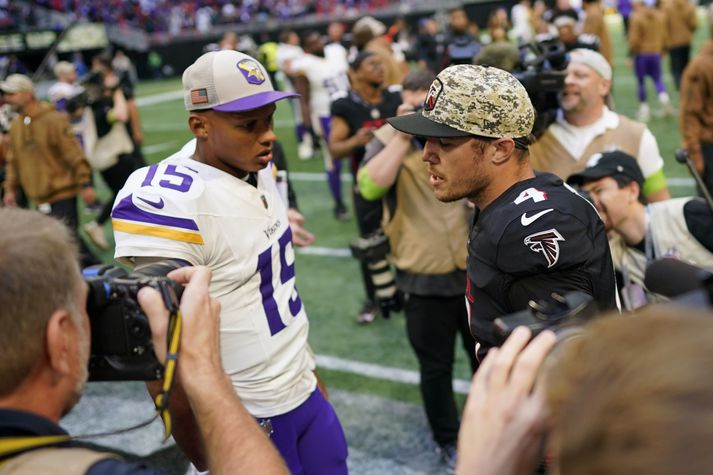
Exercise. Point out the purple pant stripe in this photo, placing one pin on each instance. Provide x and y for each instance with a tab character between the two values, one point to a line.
310	438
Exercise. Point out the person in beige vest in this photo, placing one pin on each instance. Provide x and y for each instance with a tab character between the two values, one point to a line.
681	23
585	125
428	249
46	345
641	232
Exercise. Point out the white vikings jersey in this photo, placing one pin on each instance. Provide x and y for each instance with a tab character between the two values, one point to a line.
184	209
326	77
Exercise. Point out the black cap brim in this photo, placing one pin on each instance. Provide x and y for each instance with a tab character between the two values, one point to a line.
417	124
589	174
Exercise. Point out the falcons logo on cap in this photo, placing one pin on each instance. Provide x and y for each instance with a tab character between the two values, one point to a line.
546	243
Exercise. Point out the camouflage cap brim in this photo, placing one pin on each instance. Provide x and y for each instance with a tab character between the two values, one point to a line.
417	124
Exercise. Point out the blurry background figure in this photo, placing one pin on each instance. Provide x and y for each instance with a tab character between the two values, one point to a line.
521	22
317	79
462	43
567	32
595	24
696	102
288	50
267	55
79	65
228	41
648	41
429	45
123	67
155	64
66	85
367	35
498	25
681	23
624	8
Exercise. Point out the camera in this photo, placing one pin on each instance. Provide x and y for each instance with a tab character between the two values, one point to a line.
121	345
542	71
562	314
372	250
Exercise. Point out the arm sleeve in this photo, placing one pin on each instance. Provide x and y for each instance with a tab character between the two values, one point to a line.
167	228
367	188
280	160
651	163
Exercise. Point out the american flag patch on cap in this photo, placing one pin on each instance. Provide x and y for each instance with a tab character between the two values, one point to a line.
199	96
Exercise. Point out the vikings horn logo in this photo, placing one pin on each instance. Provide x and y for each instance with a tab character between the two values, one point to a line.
433	92
252	72
546	243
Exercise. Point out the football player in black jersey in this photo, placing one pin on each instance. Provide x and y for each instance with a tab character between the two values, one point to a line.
532	235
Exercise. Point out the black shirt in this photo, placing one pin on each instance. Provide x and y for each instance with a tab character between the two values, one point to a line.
358	113
24	424
537	238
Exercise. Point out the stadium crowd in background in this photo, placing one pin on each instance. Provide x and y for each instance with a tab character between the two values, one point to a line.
473	131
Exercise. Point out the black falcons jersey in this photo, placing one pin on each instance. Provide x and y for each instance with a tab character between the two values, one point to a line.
537	238
357	114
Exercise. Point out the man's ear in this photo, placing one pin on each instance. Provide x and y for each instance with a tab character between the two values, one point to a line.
199	125
504	150
61	336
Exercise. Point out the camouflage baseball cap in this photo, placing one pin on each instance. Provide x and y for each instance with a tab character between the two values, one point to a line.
471	100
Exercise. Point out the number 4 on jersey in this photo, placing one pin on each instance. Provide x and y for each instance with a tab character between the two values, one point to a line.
531	194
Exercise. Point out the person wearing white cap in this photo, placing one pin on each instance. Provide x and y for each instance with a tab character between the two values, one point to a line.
216	204
585	126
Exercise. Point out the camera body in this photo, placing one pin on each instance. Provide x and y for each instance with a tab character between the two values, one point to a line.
562	314
542	71
121	344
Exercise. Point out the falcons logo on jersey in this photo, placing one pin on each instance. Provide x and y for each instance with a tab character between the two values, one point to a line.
546	242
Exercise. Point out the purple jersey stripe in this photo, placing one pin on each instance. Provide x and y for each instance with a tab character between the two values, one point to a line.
126	209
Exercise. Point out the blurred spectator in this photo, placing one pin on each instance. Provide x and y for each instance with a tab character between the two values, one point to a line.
521	22
585	126
229	41
429	45
461	44
66	85
498	25
45	159
681	23
696	104
155	63
648	40
567	32
561	8
124	68
367	35
318	79
79	65
639	232
595	24
624	8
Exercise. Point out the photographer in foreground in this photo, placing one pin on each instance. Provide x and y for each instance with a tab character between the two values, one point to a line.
428	248
46	345
629	395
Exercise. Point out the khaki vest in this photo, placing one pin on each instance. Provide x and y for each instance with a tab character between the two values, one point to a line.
53	461
549	155
426	235
671	238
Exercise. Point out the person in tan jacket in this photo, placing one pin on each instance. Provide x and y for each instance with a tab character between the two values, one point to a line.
648	41
594	24
45	158
697	108
681	23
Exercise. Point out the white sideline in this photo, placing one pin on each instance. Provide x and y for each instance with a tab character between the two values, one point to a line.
381	372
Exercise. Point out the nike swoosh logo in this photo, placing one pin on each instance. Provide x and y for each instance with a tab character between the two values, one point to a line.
528	220
156	204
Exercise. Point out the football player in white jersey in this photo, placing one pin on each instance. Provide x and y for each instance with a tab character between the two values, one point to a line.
318	78
218	206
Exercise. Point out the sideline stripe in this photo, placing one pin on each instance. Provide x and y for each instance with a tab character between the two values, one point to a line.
375	371
324	251
159	98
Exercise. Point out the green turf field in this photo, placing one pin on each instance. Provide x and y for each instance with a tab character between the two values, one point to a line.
330	286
